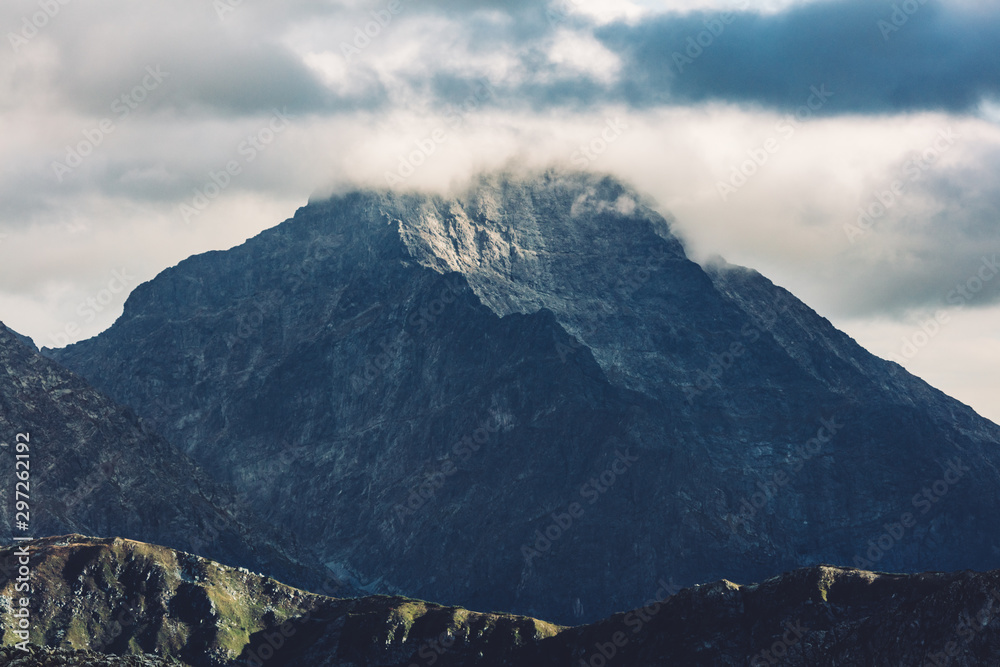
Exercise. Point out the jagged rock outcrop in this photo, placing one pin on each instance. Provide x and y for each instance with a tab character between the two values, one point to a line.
115	596
41	656
527	398
118	602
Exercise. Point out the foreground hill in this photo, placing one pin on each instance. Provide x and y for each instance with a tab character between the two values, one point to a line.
125	597
528	398
112	596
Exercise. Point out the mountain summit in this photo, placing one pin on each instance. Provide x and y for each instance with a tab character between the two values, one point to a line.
528	398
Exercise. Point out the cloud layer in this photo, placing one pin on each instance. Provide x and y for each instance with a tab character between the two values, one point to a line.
846	152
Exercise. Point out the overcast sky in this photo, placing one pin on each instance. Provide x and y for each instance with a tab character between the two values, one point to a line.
765	128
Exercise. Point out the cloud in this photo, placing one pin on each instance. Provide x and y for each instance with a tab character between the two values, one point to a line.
559	75
88	56
878	57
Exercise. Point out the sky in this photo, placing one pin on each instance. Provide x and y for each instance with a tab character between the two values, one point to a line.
848	150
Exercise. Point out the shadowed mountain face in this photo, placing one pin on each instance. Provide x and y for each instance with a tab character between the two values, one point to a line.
89	464
527	398
116	602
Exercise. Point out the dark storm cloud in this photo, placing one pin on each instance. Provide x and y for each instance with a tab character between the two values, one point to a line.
877	57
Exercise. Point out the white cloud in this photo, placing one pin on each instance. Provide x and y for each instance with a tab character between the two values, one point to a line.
579	54
120	208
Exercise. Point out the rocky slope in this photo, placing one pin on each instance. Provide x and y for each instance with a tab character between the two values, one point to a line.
117	602
493	398
40	656
87	464
122	597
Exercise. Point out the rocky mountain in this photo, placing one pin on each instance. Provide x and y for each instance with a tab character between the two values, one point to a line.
79	462
528	398
116	602
41	656
114	596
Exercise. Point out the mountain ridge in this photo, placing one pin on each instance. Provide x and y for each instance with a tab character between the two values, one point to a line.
120	602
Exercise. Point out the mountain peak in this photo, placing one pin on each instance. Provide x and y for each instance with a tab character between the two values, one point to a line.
386	369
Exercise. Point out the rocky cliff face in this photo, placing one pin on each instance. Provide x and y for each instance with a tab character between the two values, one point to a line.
527	398
116	602
84	463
